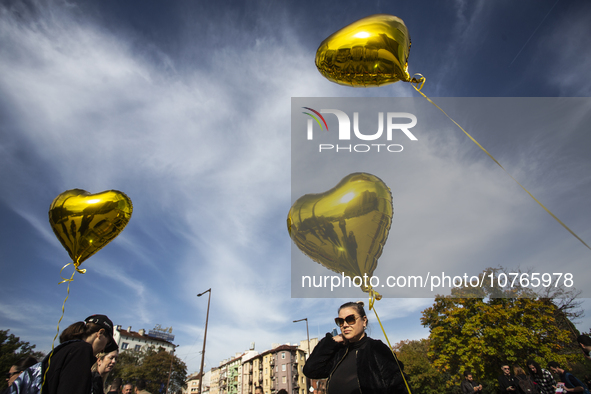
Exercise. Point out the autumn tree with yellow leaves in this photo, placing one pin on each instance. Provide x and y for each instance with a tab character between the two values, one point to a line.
478	329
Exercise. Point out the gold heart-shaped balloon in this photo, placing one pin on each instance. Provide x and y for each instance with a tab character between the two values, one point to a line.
345	228
84	223
372	51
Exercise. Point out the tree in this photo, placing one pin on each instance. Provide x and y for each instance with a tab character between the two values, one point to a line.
153	366
12	350
423	377
480	328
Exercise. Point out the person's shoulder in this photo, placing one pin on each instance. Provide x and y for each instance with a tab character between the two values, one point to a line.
379	348
377	345
79	346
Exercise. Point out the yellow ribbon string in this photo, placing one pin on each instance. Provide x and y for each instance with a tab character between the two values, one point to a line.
76	269
421	81
373	296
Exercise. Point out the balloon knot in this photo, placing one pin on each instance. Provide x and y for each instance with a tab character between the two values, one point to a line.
373	297
419	82
82	271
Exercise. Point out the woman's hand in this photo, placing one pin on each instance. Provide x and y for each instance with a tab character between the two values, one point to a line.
339	338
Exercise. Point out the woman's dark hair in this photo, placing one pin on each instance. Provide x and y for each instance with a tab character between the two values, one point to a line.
584	339
358	306
538	368
79	330
25	363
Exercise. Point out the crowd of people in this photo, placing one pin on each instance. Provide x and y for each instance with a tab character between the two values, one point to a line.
537	380
351	362
80	364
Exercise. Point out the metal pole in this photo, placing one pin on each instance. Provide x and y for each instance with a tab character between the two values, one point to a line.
204	338
170	372
308	335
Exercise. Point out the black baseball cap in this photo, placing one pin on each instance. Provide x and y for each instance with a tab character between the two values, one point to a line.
102	321
111	346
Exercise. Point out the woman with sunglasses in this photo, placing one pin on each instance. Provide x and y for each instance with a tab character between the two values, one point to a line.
17	369
353	362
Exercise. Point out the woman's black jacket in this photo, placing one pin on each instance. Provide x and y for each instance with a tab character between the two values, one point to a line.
377	369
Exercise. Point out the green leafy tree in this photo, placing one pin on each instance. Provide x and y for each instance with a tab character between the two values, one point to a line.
13	349
478	329
127	365
423	377
153	366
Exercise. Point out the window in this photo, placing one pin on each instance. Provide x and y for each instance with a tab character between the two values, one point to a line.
124	345
284	379
283	355
138	347
283	367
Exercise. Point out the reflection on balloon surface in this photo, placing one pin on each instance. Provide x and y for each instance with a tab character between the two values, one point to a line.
84	223
346	227
372	51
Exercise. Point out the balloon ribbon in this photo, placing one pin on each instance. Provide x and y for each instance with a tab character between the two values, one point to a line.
421	81
82	271
373	296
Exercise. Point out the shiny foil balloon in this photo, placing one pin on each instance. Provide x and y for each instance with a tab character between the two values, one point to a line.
370	52
84	223
346	227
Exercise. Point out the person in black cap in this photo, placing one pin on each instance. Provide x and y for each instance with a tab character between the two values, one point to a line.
69	370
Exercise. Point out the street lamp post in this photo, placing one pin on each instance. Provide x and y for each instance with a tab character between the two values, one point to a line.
204	338
170	371
308	335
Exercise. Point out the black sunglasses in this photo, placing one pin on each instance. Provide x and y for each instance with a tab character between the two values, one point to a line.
11	374
350	320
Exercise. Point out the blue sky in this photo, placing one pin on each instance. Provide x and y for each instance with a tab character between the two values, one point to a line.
185	107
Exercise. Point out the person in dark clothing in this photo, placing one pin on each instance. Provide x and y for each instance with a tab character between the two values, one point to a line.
507	382
585	343
353	362
469	386
525	383
69	370
115	387
571	383
542	377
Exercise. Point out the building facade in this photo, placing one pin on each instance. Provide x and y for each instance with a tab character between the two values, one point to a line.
132	340
275	369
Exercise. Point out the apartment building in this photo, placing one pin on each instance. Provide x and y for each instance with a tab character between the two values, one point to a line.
127	339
